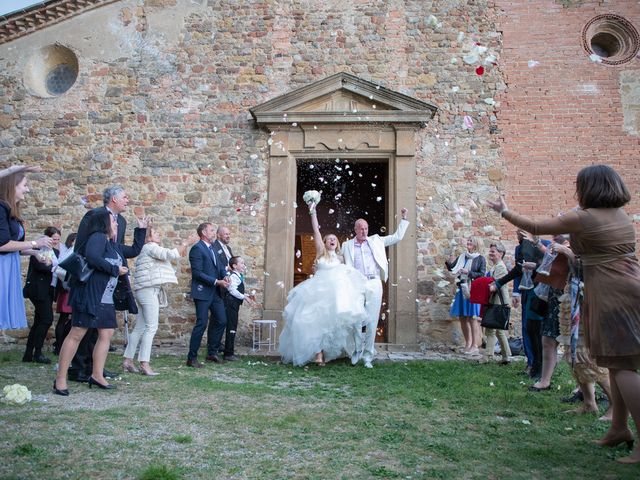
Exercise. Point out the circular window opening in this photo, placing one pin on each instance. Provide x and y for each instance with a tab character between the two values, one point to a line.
605	45
612	37
60	79
51	71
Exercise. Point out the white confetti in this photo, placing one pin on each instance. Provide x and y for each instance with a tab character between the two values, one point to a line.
595	58
526	422
433	22
470	58
533	63
378	199
294	124
253	213
491	384
270	141
253	156
331	210
373	185
489	101
280	283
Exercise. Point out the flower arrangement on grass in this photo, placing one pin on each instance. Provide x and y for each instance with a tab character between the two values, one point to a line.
16	393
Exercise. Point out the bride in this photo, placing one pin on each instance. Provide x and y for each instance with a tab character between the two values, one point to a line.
324	314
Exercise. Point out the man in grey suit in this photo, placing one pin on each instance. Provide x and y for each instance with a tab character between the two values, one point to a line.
367	255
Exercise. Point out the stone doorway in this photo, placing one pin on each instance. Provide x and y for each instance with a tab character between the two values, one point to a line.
351	189
352	119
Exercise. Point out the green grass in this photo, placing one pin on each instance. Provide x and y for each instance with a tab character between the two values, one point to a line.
412	420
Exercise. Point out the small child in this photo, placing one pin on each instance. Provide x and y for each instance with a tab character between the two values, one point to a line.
234	300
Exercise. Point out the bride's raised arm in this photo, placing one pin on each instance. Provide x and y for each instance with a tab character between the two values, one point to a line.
317	238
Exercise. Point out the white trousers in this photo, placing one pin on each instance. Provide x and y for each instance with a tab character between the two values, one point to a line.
146	323
372	303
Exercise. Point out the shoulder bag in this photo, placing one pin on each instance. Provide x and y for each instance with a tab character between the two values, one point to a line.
77	266
496	315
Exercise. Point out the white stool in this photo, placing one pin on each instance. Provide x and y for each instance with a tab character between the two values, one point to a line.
264	334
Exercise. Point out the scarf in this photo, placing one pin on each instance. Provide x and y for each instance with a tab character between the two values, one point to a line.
462	261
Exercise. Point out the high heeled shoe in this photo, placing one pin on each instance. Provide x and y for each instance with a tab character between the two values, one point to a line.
129	367
57	391
145	370
103	386
615	440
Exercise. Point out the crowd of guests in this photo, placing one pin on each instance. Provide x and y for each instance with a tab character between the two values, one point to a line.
87	308
580	288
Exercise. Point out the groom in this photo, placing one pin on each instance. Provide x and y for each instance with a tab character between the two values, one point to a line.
368	256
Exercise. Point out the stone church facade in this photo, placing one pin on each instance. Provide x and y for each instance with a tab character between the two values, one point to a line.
222	111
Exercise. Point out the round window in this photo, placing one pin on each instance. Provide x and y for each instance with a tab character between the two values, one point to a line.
612	38
51	71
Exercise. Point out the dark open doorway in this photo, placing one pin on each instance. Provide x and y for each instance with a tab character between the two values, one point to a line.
350	189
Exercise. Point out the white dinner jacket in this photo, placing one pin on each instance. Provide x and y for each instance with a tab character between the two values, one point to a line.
377	245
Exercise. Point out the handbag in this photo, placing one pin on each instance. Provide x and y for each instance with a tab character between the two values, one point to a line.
496	315
76	265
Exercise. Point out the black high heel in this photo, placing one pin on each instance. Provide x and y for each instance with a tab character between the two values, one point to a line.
92	382
57	391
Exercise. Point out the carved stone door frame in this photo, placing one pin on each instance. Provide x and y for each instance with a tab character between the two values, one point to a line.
347	117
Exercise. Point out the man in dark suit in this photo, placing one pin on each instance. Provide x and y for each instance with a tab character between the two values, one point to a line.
115	201
222	248
208	277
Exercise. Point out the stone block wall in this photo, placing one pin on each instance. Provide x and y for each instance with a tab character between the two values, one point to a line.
164	87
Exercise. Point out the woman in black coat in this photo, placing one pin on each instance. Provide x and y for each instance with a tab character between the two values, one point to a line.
93	305
39	288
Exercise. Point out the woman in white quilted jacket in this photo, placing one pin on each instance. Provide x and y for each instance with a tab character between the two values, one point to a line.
153	271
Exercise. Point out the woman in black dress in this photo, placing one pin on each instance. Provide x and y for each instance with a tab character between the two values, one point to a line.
93	305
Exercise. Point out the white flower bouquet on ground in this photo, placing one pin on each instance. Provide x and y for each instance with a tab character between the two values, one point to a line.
16	393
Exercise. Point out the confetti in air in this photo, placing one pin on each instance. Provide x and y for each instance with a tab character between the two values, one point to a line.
533	63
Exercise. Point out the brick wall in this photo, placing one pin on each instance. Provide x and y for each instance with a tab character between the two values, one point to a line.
566	112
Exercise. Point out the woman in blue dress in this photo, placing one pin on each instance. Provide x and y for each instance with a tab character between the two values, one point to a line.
13	188
466	268
92	304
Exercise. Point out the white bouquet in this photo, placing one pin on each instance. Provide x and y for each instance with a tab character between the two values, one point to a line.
16	393
311	196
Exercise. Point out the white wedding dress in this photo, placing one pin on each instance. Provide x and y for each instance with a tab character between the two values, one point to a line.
324	313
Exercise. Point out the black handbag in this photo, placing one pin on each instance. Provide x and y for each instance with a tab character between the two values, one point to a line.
496	315
77	266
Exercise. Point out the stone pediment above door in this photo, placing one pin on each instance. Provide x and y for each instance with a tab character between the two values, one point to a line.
343	98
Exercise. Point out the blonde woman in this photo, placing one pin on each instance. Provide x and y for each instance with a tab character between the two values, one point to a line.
466	268
325	313
153	271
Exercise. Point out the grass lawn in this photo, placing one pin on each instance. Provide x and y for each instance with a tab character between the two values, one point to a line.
257	419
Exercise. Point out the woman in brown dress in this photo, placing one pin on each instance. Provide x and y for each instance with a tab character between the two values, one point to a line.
603	236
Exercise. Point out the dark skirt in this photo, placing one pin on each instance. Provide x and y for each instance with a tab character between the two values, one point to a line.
105	318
